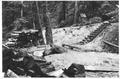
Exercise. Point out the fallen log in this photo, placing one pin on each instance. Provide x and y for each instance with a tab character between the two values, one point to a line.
43	46
101	69
13	34
57	73
79	70
76	48
70	46
111	44
10	73
5	46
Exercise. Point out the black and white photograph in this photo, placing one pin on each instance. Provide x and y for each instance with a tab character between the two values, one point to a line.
60	39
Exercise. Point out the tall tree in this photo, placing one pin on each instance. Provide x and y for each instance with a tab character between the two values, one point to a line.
33	15
22	8
48	33
62	12
40	29
76	10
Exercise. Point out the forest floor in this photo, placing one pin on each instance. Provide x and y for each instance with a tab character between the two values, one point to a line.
94	57
71	35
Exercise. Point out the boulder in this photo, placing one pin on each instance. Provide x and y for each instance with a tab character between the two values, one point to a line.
75	70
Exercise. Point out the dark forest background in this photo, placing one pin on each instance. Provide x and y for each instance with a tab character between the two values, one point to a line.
19	15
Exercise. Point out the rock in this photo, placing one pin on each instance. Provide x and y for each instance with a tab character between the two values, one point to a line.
75	70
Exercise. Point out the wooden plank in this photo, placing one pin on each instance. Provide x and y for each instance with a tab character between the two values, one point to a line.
101	68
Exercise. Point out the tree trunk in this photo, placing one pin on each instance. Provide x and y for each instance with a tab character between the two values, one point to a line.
76	10
62	13
22	9
33	25
41	41
48	33
64	8
33	21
